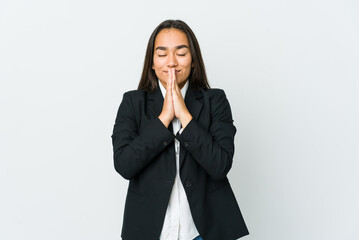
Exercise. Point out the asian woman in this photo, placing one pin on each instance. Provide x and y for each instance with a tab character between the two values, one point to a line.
173	139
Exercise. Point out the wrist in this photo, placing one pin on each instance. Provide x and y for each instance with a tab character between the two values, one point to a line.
185	120
164	120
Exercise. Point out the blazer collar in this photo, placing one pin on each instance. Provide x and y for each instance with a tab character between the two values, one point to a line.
192	100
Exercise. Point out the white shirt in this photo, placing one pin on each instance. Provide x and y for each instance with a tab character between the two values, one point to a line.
178	224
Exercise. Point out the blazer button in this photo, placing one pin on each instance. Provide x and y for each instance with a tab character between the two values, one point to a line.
188	183
165	143
185	144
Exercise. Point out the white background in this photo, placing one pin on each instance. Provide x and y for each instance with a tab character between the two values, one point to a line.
289	69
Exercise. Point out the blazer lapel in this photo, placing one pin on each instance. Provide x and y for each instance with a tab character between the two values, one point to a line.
194	103
155	104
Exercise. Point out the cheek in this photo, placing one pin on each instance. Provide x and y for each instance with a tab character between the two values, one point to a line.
157	64
186	62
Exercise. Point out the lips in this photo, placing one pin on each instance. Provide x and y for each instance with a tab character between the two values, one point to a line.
177	71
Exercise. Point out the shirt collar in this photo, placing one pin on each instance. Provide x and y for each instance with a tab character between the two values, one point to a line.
183	90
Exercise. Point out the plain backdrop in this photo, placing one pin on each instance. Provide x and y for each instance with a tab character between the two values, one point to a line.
289	69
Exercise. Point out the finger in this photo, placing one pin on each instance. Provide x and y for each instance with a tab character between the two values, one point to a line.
173	78
176	87
169	79
168	85
174	74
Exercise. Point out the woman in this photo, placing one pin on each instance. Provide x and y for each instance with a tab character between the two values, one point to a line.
173	139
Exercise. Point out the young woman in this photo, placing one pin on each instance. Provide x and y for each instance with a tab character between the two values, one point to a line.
173	139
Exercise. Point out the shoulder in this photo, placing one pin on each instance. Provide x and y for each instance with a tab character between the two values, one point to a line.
214	94
130	98
217	100
134	96
134	93
215	91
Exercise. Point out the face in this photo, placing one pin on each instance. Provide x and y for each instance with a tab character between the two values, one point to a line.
172	51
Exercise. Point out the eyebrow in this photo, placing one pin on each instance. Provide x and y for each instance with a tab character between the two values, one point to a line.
165	48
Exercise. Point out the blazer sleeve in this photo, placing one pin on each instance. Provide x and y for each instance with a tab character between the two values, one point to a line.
213	149
133	151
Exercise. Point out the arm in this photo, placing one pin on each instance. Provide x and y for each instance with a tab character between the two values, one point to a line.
133	151
213	149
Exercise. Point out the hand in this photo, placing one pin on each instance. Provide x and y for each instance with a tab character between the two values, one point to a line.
167	113
180	110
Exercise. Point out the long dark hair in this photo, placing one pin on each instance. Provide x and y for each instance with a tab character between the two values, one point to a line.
197	77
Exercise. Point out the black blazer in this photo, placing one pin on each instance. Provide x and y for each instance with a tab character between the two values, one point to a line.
144	154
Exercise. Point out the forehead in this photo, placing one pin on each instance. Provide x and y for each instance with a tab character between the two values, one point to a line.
171	37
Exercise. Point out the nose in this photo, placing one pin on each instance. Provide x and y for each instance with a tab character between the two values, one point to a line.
172	61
